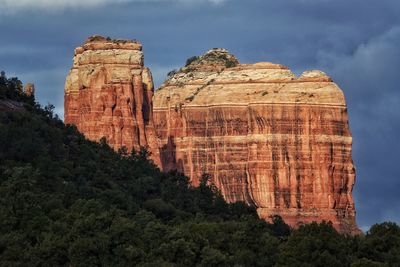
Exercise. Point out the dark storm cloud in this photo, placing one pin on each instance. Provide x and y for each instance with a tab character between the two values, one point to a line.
356	42
370	76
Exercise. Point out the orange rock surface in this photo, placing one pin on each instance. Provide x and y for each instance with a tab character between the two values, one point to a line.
29	89
276	141
266	137
108	93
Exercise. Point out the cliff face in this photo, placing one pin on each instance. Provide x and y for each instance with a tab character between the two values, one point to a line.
266	137
108	93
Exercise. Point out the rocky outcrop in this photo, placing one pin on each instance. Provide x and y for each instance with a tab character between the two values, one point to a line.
29	89
276	141
108	93
266	137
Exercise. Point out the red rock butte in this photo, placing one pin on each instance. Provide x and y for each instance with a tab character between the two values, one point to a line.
108	93
273	140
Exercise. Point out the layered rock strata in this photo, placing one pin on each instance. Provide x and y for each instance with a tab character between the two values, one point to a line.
266	137
276	141
108	93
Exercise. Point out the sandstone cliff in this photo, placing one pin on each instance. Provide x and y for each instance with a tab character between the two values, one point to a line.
108	93
268	138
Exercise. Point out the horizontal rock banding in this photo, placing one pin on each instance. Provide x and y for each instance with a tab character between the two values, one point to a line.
266	137
108	93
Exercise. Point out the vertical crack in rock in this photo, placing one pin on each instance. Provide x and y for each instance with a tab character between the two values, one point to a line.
297	132
248	194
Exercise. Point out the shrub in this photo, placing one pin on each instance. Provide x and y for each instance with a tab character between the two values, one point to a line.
230	64
190	98
172	73
190	60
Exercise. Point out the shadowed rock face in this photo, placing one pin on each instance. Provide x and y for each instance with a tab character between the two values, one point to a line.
108	93
266	137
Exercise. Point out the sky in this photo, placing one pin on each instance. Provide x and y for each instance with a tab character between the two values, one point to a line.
356	42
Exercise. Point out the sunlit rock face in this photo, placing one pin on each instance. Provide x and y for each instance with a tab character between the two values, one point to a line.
266	137
108	93
276	141
29	89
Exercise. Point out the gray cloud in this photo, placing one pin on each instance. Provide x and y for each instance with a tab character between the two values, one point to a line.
12	6
369	77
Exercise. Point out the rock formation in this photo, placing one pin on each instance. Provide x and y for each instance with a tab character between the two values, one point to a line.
29	89
108	93
266	137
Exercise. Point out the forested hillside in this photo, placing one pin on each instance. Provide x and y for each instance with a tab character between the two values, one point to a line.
67	201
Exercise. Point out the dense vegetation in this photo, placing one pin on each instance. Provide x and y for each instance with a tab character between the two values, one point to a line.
66	201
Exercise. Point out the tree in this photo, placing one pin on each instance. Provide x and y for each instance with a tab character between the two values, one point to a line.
315	244
382	244
190	60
